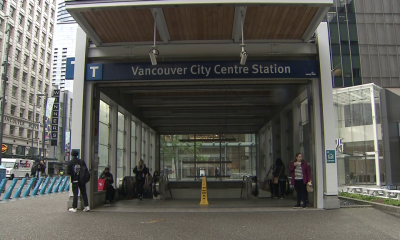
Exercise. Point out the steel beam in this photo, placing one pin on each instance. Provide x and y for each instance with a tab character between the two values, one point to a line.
240	13
162	27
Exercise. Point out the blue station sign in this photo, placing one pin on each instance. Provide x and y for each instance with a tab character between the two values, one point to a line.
202	70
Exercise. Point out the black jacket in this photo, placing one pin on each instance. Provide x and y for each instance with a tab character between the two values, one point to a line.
106	176
140	174
279	171
71	168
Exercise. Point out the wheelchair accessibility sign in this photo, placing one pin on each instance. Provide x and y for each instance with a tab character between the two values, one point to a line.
330	156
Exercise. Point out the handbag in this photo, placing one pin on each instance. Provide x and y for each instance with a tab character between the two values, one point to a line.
309	188
276	179
267	186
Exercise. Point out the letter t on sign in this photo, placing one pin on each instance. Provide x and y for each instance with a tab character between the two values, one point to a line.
94	71
94	68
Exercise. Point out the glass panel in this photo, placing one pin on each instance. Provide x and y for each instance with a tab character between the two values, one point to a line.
104	112
133	146
120	140
104	118
103	134
121	121
103	158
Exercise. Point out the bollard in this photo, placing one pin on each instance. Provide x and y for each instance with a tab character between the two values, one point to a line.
10	189
62	188
51	185
29	187
43	190
2	184
67	186
19	190
55	189
36	189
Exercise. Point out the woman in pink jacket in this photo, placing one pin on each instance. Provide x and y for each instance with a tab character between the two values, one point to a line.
301	176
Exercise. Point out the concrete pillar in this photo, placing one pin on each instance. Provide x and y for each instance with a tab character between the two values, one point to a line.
112	153
323	110
127	143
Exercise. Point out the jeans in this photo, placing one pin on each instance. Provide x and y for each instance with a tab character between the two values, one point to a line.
82	188
139	187
280	186
110	193
301	190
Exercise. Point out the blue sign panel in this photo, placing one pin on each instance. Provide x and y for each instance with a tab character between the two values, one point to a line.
330	156
203	70
70	68
94	71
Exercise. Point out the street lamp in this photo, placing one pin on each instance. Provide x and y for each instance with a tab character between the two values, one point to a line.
33	120
5	79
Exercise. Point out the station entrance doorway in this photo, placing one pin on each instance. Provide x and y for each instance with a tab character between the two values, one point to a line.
220	129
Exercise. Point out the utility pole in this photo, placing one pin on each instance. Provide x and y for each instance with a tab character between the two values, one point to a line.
33	121
5	80
44	127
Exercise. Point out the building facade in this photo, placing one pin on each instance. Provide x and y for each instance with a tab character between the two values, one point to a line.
365	48
64	46
30	43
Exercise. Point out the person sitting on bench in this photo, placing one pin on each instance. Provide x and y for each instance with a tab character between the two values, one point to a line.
110	192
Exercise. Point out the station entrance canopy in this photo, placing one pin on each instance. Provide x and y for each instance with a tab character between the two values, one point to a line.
195	21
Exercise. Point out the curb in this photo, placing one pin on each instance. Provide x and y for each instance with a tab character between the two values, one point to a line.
380	206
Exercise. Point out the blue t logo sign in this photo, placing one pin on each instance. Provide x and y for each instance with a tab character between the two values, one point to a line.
94	71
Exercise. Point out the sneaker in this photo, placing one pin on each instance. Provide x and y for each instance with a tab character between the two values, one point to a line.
297	207
304	207
72	210
86	209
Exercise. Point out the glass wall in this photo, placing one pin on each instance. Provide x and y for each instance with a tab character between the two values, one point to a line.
219	157
345	54
104	134
355	143
120	146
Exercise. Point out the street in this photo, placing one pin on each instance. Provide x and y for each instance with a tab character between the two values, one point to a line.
47	218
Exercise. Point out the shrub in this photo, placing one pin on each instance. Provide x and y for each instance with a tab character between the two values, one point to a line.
393	202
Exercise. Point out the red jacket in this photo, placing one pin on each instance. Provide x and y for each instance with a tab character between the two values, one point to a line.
306	171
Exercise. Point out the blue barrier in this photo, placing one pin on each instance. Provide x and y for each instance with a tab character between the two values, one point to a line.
29	187
58	189
62	188
36	189
10	189
51	185
19	190
2	184
43	190
55	189
67	186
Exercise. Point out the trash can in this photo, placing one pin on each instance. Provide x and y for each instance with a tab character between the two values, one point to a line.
2	176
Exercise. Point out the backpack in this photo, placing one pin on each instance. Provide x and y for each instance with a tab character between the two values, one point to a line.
81	172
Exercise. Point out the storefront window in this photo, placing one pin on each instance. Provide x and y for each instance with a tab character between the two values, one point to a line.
104	133
120	146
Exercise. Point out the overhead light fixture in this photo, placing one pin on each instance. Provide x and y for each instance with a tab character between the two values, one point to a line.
243	53
154	52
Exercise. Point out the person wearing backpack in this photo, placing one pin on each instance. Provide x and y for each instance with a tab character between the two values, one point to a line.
79	173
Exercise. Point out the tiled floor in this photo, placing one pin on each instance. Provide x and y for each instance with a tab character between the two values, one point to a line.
215	205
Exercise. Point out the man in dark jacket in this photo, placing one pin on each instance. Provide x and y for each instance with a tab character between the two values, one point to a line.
110	192
73	169
140	172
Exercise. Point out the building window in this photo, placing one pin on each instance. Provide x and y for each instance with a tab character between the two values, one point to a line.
41	53
21	19
14	91
36	134
2	4
46	88
17	54
13	108
29	25
47	73
21	131
35	48
51	27
30	113
38	17
27	43
39	2
16	72
52	13
46	7
30	9
36	32
12	10
40	84
32	81
22	3
44	22
49	43
30	98
37	114
19	36
21	112
12	129
24	77
48	57
43	37
33	64
26	58
40	68
23	95
29	133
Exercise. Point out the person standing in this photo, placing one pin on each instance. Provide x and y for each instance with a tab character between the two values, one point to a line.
74	169
301	176
140	172
279	172
110	192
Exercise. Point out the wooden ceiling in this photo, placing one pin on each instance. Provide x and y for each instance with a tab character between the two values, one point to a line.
200	23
